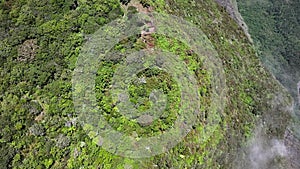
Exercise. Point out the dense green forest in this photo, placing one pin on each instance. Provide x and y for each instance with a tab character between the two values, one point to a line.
274	26
40	44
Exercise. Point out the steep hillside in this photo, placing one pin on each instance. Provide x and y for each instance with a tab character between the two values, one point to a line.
41	42
274	27
232	8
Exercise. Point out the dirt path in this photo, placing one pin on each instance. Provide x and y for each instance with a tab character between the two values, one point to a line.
150	27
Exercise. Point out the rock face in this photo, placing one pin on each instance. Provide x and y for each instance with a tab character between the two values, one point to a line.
232	9
293	146
298	90
292	137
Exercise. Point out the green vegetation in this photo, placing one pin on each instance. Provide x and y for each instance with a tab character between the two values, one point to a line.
40	43
155	79
274	27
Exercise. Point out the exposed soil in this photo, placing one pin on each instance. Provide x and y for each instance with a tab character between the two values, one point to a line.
145	34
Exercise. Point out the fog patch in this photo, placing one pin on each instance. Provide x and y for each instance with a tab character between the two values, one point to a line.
262	152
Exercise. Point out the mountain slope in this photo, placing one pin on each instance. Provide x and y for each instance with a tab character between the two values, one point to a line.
40	43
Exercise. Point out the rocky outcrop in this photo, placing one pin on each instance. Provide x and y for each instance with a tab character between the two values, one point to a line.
292	142
298	91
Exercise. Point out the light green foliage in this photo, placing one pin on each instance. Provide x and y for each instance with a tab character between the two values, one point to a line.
39	128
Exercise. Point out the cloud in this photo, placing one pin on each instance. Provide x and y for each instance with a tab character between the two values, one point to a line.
262	152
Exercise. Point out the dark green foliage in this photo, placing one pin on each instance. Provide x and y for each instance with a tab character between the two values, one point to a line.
274	26
125	2
145	3
6	156
40	43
